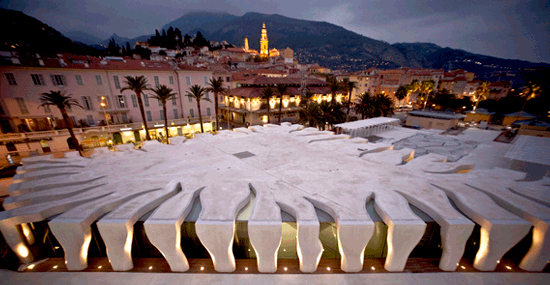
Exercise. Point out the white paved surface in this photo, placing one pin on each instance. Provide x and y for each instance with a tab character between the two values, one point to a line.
10	277
531	149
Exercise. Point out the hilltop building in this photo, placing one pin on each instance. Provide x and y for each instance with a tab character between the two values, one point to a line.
264	52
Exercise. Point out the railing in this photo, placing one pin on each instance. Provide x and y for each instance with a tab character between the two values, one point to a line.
111	128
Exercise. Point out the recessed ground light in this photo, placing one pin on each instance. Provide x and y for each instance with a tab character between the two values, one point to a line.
99	267
372	268
150	267
474	243
57	247
508	267
202	268
328	268
498	261
463	267
55	267
286	269
457	264
30	266
246	268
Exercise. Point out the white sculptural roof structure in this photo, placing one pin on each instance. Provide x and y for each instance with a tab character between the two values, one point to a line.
274	168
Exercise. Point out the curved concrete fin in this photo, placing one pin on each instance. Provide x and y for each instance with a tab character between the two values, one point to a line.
73	228
216	224
537	214
405	229
51	166
455	228
43	173
394	157
496	223
354	229
51	182
117	227
33	213
43	196
375	148
535	191
265	227
328	138
163	227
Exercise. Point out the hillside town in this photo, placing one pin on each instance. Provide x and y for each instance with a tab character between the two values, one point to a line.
181	155
111	116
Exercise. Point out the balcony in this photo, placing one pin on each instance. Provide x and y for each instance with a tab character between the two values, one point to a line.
112	128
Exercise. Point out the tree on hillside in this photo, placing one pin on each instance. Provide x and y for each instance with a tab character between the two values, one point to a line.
530	90
138	84
113	49
62	101
163	94
198	93
200	41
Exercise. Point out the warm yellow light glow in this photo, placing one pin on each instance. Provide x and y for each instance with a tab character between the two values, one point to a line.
463	267
264	118
292	99
55	267
150	267
328	268
246	268
202	268
99	267
508	267
498	261
286	269
30	266
372	268
23	251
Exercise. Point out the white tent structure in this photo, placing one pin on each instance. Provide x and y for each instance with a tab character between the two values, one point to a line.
368	127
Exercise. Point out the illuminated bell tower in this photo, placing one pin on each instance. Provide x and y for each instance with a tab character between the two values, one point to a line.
245	43
264	52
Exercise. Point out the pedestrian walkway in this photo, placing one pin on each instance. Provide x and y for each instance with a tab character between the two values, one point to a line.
81	278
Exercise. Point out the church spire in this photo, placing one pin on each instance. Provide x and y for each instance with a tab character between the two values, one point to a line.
264	51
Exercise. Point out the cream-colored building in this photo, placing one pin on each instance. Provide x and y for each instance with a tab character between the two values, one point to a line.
91	81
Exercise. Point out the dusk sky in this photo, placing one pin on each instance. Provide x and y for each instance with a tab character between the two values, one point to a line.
508	29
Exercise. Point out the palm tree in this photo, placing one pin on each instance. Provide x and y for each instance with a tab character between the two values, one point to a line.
198	93
312	116
216	87
401	92
365	105
334	87
307	98
267	93
62	101
530	91
138	84
350	85
383	105
281	89
426	87
163	94
481	93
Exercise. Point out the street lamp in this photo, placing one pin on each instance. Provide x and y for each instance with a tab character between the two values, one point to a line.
105	114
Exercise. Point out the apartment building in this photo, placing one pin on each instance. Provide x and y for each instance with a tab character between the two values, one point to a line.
92	81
